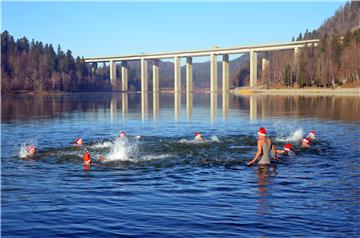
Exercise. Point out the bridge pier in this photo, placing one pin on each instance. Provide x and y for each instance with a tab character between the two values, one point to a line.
113	73
225	73
213	73
296	54
264	69
189	74
177	74
124	76
253	68
156	76
144	87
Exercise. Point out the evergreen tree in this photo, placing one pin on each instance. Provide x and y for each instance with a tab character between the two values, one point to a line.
287	75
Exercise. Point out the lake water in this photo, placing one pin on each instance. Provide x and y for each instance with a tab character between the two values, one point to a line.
160	183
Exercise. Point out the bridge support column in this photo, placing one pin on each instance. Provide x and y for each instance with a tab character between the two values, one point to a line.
177	74
253	68
213	73
264	70
113	73
296	54
225	73
189	74
144	86
156	76
124	76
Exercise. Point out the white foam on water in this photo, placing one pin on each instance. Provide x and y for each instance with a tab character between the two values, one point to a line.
296	135
121	150
101	145
23	152
214	139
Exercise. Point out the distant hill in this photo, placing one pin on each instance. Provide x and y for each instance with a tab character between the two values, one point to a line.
201	73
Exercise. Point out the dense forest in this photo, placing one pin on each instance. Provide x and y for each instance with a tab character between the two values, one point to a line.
335	61
37	67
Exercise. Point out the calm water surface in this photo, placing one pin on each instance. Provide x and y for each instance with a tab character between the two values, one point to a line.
159	183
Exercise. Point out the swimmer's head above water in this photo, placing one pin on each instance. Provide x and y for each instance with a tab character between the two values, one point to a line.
305	143
78	142
122	134
197	136
261	132
86	158
287	147
31	150
312	135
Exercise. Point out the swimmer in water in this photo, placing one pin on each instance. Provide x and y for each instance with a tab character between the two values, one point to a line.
306	143
286	151
198	136
122	134
86	158
311	136
31	150
264	145
78	142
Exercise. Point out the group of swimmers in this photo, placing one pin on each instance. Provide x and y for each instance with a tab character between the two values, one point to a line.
264	146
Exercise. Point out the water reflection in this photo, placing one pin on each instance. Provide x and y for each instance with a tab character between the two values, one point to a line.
213	106
265	175
144	105
27	107
177	105
253	108
225	105
155	105
124	103
189	105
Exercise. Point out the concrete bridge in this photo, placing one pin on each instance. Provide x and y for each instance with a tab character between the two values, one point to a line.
213	53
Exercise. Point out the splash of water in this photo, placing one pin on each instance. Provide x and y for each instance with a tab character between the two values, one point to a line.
23	152
121	150
102	145
296	135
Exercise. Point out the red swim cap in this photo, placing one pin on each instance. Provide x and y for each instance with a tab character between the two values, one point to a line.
31	149
287	147
262	131
122	134
306	140
78	141
197	133
86	158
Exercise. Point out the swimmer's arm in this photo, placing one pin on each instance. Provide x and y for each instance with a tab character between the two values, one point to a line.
274	152
280	152
257	155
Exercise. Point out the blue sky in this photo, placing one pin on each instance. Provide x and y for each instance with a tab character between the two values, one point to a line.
118	28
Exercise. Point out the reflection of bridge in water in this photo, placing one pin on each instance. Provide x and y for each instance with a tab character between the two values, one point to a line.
214	97
251	106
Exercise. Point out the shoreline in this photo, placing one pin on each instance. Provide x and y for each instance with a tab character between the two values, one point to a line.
240	91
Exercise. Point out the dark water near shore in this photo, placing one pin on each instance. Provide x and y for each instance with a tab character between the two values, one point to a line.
159	183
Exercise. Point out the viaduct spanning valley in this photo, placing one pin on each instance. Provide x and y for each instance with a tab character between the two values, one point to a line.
213	53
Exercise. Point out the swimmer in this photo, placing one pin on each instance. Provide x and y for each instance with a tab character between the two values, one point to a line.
122	134
86	158
311	135
286	151
264	145
198	136
78	142
31	150
305	143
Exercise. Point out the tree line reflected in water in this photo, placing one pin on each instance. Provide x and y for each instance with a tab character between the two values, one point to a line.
25	107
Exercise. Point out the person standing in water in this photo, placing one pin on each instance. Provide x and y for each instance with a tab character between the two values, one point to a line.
264	145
